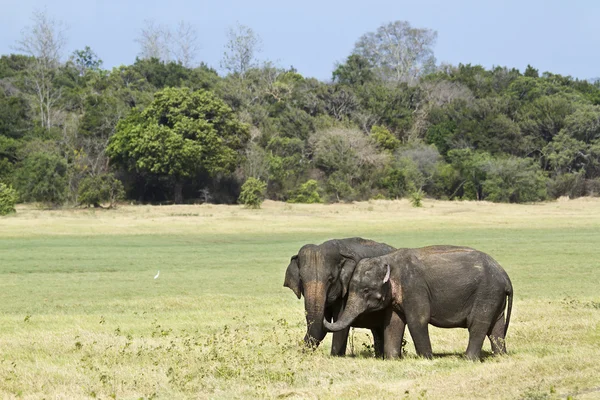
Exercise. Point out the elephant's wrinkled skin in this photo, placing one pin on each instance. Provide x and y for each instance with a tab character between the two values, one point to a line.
321	273
446	286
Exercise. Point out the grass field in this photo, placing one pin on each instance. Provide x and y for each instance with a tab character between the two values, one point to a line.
81	315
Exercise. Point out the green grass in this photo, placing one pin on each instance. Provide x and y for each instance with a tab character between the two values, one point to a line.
81	315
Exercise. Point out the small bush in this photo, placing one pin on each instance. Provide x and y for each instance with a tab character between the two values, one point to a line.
105	188
307	193
253	193
416	198
8	198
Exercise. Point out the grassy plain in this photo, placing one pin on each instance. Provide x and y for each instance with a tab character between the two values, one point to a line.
81	315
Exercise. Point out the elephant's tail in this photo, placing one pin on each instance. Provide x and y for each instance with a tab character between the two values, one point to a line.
509	293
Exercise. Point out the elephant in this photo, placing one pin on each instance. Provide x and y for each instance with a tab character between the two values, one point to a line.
321	273
445	286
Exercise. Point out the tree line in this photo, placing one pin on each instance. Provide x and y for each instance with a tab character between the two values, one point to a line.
391	123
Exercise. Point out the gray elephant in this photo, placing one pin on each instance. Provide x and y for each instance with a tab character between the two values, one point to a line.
446	286
321	273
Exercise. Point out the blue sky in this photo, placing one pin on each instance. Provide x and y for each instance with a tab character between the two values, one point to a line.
557	36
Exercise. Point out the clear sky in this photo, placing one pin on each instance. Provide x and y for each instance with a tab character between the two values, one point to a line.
552	35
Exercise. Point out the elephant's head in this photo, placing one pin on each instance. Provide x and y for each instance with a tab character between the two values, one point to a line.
370	290
321	273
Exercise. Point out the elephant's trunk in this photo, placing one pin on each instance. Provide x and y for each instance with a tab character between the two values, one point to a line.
315	293
351	312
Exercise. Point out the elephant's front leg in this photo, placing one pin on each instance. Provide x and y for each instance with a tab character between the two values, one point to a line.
378	341
340	338
339	342
393	334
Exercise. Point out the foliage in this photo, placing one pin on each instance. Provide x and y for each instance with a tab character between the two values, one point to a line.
42	177
8	199
308	193
383	138
253	193
179	133
105	188
172	128
416	198
398	51
514	180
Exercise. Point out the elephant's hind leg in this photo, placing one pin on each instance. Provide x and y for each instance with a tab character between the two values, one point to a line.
496	336
477	332
419	331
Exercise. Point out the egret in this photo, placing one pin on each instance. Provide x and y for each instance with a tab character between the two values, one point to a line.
157	274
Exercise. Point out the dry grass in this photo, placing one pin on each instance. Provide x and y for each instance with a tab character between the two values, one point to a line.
81	316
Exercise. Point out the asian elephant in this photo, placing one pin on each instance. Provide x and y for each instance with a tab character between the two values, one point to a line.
321	273
446	286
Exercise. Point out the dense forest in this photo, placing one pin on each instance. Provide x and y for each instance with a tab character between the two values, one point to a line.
390	123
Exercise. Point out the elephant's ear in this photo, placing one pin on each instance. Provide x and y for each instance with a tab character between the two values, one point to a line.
348	265
349	261
292	277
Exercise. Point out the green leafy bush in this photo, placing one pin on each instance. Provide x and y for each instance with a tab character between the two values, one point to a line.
514	180
105	188
416	198
43	178
307	193
383	138
8	198
253	193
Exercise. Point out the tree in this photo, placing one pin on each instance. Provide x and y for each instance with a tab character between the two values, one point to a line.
86	60
355	72
185	44
154	42
180	134
241	48
350	160
159	42
398	51
531	72
44	41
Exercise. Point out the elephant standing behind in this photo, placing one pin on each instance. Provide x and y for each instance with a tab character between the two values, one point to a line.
446	286
322	273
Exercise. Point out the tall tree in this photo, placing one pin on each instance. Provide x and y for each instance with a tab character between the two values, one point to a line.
398	51
181	133
86	60
154	41
44	40
240	51
185	44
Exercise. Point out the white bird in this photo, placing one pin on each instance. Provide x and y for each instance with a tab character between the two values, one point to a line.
157	274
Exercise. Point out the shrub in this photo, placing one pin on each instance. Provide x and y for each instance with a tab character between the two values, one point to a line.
514	180
416	198
43	178
307	193
384	139
253	193
104	188
8	198
572	185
